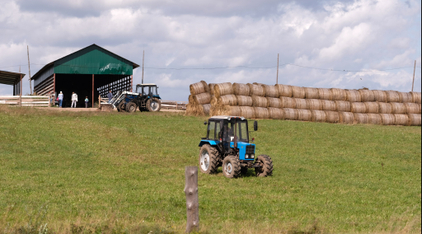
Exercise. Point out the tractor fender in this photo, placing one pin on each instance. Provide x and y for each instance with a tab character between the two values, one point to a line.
209	142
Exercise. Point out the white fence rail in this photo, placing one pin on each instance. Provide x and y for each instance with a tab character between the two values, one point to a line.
26	100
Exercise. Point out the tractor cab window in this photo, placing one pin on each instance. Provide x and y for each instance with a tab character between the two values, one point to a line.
153	90
238	128
214	130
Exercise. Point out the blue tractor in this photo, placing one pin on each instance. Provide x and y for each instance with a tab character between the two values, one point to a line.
227	145
146	98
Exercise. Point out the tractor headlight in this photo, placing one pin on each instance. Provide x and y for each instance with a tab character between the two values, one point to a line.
253	156
247	156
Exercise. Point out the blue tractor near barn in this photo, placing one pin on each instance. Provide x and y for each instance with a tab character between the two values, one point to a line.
227	144
146	98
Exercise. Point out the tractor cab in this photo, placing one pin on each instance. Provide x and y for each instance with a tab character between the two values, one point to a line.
150	90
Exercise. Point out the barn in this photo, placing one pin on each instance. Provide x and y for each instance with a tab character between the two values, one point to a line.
89	72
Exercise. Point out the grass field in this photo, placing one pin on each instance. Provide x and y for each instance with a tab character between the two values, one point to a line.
63	172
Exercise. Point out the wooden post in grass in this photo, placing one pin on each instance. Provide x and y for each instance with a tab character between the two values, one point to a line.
192	202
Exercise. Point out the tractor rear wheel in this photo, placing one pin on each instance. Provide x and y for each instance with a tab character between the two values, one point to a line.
266	164
208	159
154	104
231	167
130	107
121	106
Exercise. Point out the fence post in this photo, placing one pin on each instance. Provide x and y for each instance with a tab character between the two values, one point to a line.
192	202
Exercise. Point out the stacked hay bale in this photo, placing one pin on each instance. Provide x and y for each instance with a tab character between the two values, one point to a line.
199	99
287	102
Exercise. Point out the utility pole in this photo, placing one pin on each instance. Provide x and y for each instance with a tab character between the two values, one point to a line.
143	58
414	70
278	60
29	71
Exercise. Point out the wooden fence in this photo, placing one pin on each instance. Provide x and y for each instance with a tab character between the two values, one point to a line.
42	101
173	105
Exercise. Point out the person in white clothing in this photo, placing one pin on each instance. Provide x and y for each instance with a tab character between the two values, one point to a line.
74	100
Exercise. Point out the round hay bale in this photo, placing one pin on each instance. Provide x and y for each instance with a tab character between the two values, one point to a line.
314	104
416	97
271	91
256	90
401	119
312	93
379	95
406	97
332	116
319	116
197	88
247	112
298	92
261	113
343	106
204	110
301	103
288	102
385	108
388	119
244	100
258	101
191	99
393	96
399	108
230	110
338	94
230	100
325	94
203	98
223	89
304	115
374	119
353	96
357	107
414	120
275	102
328	105
367	95
372	107
361	118
214	101
413	108
290	113
285	90
241	89
347	117
276	113
211	88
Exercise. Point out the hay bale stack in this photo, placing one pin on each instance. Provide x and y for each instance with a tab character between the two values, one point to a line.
298	92
372	107
256	90
301	103
230	110
285	90
244	100
393	96
358	107
416	97
338	94
388	119
223	89
312	93
399	108
414	120
325	94
314	104
197	88
275	102
211	88
353	96
276	113
379	95
413	108
328	105
290	114
288	102
304	115
319	116
374	119
361	118
261	113
367	95
247	112
401	119
332	116
406	97
258	101
230	100
386	108
343	106
271	91
202	98
241	89
347	117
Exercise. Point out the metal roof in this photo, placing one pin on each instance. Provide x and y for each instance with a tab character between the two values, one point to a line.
10	78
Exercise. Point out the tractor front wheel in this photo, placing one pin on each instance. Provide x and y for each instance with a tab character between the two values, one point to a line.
121	106
266	164
231	167
208	159
153	104
130	107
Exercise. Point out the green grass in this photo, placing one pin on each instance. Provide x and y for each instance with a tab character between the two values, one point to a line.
124	173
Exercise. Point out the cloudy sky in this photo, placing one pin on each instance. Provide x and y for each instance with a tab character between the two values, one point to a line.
322	43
